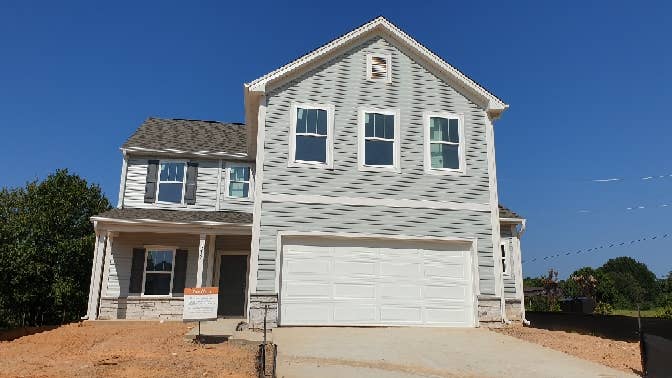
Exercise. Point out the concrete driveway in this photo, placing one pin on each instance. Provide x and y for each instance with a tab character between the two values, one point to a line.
421	352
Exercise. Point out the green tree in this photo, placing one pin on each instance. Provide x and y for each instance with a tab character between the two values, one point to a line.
46	248
633	283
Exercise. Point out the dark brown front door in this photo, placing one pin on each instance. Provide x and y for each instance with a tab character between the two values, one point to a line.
232	277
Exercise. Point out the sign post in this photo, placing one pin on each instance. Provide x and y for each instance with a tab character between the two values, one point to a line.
200	303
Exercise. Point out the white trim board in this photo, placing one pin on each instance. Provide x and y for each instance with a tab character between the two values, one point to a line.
363	201
382	26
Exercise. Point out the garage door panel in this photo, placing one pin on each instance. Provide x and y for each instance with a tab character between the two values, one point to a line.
447	315
297	313
395	314
345	268
454	293
354	291
302	289
355	314
400	292
400	270
446	271
317	266
376	283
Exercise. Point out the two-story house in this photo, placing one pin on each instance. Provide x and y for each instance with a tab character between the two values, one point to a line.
361	190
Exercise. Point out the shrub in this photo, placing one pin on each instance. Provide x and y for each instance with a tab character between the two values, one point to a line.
603	308
666	312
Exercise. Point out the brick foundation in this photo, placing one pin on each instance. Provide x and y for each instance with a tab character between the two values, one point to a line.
141	308
257	304
514	310
489	311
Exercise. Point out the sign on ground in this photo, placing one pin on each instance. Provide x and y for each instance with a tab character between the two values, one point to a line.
200	303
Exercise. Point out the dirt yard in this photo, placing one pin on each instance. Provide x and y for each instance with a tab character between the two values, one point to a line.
619	355
122	349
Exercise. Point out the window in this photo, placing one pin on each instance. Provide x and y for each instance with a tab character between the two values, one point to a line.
378	67
444	144
171	182
311	135
239	181
504	247
159	272
379	139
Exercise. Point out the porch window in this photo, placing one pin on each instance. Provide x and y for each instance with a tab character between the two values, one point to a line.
171	182
159	272
239	181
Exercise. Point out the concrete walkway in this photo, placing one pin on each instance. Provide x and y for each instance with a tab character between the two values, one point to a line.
421	352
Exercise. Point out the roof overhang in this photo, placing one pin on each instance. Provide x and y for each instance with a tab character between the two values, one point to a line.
171	152
379	26
162	226
512	220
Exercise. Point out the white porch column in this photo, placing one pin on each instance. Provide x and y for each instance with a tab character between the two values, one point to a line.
211	260
201	259
96	273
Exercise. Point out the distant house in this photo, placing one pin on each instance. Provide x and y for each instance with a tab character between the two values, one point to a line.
362	190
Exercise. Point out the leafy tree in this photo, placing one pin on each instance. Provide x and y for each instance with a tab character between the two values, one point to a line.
46	247
633	282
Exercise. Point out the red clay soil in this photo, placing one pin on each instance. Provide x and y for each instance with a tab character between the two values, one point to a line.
122	349
621	355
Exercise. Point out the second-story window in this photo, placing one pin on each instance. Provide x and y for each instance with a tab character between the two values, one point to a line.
311	135
379	139
444	143
239	181
171	182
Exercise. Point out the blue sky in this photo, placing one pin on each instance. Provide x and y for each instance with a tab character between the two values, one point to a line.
589	86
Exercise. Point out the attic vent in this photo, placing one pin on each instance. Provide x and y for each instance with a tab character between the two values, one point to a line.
378	67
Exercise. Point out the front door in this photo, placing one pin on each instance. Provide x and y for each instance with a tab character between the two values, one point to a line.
232	277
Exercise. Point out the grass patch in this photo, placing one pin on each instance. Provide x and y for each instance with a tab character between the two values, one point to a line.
651	313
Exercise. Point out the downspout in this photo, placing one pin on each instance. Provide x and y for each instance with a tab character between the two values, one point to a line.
523	226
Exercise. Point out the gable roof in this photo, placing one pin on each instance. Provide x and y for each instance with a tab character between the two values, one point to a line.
378	25
505	212
186	136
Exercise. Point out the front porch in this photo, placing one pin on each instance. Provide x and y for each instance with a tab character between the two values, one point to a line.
145	258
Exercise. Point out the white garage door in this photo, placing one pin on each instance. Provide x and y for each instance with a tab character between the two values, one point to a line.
348	282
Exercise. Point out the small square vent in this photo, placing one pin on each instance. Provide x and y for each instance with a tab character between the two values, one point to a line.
378	67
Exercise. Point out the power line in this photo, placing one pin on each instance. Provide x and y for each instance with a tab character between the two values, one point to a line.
618	179
604	246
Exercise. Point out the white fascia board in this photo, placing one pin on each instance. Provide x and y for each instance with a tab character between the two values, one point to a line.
512	220
172	151
494	104
168	223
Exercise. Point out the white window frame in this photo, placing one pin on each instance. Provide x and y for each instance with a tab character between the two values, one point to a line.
227	180
369	64
396	149
156	248
330	109
462	170
506	260
158	181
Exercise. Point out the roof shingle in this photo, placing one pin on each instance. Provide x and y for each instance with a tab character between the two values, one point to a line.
505	212
189	136
178	216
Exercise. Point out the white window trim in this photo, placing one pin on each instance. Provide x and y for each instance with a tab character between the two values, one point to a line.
149	248
158	181
369	63
462	170
396	150
227	181
330	109
506	260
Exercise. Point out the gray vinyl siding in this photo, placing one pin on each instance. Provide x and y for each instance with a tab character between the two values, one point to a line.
342	82
122	252
277	217
206	190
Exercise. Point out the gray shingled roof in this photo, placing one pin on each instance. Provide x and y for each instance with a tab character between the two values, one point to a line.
505	212
192	136
179	216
